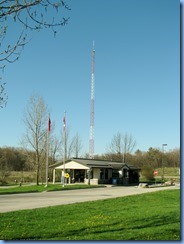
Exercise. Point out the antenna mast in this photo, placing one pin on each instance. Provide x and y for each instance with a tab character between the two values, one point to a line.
91	136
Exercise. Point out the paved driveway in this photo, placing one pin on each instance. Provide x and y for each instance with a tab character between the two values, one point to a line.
16	202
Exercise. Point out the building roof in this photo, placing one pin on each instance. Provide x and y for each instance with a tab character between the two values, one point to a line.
95	163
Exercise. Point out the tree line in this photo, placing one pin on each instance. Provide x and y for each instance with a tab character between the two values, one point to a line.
148	161
32	155
33	152
21	159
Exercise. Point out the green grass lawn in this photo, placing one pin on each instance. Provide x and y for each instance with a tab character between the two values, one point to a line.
34	188
150	216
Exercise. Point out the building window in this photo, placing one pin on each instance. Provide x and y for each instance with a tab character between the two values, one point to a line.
103	174
115	173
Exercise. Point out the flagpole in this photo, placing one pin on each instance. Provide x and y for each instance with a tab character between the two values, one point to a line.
47	161
47	151
64	159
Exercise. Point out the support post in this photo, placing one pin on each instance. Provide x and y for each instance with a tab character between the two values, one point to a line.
54	175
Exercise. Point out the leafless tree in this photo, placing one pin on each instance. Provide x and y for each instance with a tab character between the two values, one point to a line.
68	144
73	145
54	148
129	144
35	120
26	16
121	145
77	145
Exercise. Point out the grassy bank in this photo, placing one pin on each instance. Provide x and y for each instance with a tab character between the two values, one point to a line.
151	216
34	188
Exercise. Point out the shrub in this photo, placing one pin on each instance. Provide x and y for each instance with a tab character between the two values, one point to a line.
147	172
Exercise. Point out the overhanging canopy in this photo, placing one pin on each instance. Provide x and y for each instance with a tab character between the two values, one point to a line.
72	165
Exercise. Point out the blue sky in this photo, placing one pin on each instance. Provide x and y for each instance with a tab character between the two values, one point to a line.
137	74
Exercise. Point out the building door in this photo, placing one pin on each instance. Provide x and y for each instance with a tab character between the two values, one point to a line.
79	175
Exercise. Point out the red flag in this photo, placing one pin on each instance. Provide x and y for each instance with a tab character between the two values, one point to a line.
49	124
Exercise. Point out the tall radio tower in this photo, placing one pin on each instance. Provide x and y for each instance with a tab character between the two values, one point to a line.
91	136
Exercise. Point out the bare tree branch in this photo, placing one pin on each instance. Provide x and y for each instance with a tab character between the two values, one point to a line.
77	145
121	145
3	95
27	16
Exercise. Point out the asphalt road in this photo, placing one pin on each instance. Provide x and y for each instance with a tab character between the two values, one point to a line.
14	202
